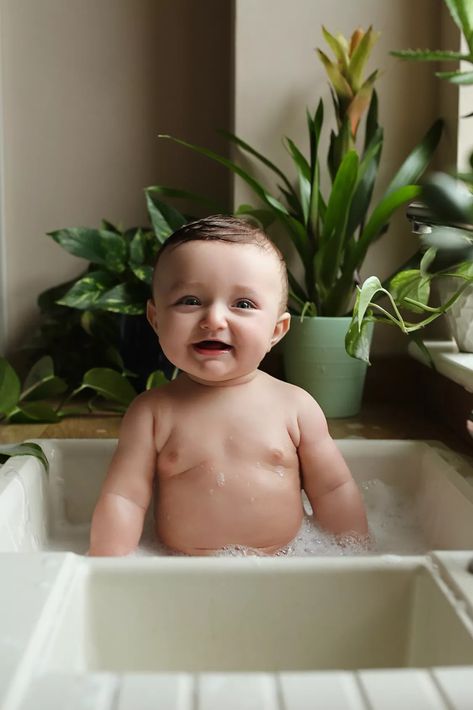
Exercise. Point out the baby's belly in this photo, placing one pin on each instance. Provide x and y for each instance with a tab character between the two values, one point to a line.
198	512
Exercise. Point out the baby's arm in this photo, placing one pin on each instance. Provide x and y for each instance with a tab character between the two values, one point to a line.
118	518
326	479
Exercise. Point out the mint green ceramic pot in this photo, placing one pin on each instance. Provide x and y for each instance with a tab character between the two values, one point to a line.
315	359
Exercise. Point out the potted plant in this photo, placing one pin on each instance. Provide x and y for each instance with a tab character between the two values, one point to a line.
443	218
96	319
332	231
447	221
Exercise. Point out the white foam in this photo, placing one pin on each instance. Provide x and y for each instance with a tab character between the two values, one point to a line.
392	523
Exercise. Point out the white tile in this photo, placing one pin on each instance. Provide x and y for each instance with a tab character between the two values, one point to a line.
237	691
64	691
403	689
156	691
331	690
456	685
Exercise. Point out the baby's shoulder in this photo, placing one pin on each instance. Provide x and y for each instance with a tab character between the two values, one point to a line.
291	394
153	400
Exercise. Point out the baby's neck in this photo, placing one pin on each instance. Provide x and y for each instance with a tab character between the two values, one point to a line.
233	382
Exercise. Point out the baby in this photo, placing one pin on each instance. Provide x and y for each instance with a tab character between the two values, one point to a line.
226	447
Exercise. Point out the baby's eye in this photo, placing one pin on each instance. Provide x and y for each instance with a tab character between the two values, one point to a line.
188	301
244	303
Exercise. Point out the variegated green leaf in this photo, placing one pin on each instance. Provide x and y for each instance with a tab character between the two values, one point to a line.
96	245
123	298
87	291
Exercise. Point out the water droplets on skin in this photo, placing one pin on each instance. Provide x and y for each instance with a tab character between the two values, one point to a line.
220	479
279	470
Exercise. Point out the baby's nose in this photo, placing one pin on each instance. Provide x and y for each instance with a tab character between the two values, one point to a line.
214	317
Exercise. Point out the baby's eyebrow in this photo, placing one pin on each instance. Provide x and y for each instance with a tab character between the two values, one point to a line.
181	284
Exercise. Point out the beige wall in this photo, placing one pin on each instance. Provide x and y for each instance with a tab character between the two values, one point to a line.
86	86
278	74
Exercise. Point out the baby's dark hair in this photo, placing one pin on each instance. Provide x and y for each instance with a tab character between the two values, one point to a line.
225	228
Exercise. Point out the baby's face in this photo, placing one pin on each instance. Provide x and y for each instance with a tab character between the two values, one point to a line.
217	308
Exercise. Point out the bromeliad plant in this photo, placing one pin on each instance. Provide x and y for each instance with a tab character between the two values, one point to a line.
333	230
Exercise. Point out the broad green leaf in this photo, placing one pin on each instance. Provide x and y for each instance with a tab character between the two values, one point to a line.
448	201
109	227
31	413
338	207
41	382
369	289
465	270
41	370
109	384
410	284
156	379
25	449
380	218
124	298
143	273
97	245
418	339
87	291
254	184
10	387
427	260
49	387
164	218
138	248
340	195
417	161
358	339
367	175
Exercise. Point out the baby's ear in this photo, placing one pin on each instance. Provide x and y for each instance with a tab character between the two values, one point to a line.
281	328
151	315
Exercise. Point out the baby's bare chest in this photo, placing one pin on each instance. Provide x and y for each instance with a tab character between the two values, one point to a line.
215	437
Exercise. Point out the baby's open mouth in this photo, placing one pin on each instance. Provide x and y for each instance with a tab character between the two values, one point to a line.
212	346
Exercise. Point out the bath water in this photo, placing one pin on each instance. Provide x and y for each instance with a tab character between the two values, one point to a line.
392	521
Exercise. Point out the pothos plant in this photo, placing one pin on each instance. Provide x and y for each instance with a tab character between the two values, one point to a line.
449	249
80	369
332	230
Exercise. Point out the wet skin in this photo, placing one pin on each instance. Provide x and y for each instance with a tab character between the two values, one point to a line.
226	447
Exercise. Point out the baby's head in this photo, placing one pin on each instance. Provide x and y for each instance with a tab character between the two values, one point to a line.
219	297
225	228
